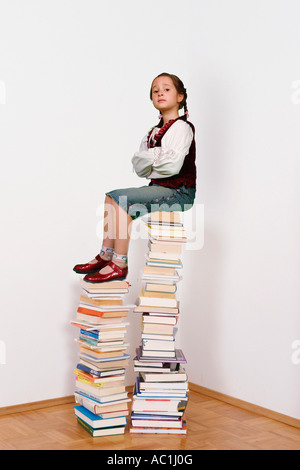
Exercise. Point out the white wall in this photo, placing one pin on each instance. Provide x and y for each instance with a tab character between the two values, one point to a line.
241	293
77	77
78	74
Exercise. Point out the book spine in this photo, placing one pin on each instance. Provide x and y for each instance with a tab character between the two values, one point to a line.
158	392
102	353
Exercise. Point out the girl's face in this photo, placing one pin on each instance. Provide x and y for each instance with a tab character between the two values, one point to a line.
165	96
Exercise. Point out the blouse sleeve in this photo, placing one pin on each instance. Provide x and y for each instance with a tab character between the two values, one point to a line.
143	159
167	160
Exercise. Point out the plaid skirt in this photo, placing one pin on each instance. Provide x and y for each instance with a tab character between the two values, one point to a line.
140	201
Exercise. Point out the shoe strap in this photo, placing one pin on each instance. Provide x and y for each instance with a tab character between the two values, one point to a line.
123	258
116	268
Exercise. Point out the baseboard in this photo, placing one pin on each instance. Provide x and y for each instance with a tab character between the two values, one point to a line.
8	410
38	405
245	405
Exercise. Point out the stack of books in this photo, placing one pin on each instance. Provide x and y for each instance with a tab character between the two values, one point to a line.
102	401
161	390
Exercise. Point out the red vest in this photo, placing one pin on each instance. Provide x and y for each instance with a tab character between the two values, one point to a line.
187	175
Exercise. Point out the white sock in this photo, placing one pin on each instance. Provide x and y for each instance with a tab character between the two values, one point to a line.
120	260
106	253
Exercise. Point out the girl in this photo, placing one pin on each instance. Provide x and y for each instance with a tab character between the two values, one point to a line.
167	158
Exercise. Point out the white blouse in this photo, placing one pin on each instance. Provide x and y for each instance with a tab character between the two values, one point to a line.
167	160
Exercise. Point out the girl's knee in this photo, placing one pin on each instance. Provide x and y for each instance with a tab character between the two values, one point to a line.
108	199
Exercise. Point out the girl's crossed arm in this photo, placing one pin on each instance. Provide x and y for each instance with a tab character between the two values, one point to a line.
167	160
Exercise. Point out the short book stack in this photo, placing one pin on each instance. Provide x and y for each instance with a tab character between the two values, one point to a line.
102	401
161	390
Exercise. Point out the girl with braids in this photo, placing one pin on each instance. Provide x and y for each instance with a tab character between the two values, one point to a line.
166	157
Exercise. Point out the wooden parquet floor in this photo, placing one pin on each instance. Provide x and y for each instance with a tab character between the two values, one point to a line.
212	425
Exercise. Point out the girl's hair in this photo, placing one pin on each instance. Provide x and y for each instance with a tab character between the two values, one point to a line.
180	90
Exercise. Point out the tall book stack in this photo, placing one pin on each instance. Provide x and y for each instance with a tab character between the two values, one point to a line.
102	401
161	390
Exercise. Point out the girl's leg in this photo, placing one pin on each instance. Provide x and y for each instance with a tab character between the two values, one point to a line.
117	233
109	231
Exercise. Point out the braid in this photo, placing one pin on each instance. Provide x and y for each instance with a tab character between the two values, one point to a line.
186	113
183	103
161	122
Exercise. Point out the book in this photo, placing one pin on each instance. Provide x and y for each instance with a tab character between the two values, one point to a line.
97	293
95	320
151	422
161	386
179	357
120	325
163	255
158	354
159	319
103	345
158	270
176	416
170	376
156	287
92	322
93	369
97	390
157	299
106	308
168	239
113	344
108	363
157	328
96	421
165	217
103	336
164	247
105	398
108	326
159	391
98	355
171	241
158	345
105	410
104	286
157	337
160	274
100	301
148	309
166	405
101	312
165	227
148	430
161	394
105	381
101	432
164	263
166	232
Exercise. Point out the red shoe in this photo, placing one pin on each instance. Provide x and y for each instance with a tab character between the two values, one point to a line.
90	268
117	274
